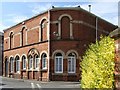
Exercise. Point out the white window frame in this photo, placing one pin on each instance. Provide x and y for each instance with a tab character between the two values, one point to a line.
70	58
11	65
44	62
31	63
59	57
23	63
17	65
37	61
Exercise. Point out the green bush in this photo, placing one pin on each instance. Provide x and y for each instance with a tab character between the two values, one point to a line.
98	64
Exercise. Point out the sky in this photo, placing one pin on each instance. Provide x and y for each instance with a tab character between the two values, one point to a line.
15	11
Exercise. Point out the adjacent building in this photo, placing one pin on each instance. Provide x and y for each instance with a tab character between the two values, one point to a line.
49	46
1	52
116	35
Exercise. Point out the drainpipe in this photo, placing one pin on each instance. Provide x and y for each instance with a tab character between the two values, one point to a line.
48	45
96	28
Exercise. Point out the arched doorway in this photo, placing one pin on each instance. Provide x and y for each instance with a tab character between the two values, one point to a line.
6	67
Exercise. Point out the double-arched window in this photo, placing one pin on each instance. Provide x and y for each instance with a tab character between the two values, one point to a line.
70	64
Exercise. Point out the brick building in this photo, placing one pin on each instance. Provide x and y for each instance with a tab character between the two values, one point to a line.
49	46
1	52
116	35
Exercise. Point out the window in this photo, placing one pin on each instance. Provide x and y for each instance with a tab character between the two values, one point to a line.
11	64
58	63
30	62
43	26
71	63
36	61
11	39
17	59
44	61
23	62
23	36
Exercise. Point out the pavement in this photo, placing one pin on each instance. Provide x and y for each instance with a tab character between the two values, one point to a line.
11	83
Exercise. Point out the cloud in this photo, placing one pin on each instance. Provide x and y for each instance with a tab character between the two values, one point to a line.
39	8
11	19
2	27
105	10
16	18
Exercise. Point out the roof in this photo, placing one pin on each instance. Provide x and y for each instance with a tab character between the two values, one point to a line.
116	32
60	8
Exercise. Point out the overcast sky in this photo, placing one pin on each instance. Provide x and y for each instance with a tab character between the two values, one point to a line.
15	11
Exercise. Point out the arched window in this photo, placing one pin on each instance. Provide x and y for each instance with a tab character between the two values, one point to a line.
17	59
36	62
30	62
58	63
65	27
43	26
44	61
11	40
23	36
71	63
23	62
65	30
11	64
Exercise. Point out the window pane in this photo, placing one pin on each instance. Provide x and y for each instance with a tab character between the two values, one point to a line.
24	63
58	64
37	63
44	61
30	62
60	68
71	64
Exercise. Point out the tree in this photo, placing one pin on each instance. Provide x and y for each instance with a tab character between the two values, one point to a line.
98	64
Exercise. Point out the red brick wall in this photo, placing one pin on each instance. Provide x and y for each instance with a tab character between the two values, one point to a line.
6	44
83	34
33	36
32	29
17	40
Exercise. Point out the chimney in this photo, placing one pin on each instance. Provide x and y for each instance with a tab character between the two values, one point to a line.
53	7
89	8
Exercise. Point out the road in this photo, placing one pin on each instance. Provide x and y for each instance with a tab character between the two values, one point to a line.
19	84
